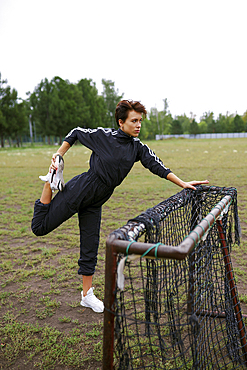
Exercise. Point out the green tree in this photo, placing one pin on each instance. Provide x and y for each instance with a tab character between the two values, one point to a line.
165	119
3	123
94	102
229	123
5	105
111	99
18	122
157	123
221	123
238	123
202	126
208	117
68	106
13	117
244	117
224	123
194	129
58	106
144	133
185	123
176	127
41	104
3	128
153	124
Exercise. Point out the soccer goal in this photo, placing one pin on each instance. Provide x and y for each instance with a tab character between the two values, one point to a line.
171	299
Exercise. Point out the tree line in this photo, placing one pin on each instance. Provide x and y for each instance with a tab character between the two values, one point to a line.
57	106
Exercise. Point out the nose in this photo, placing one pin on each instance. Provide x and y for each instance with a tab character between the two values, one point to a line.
139	124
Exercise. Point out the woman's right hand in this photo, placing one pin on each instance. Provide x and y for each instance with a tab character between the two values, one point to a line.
61	151
53	161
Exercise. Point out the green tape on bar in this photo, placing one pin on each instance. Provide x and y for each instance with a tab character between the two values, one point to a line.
127	249
220	207
197	235
226	201
155	252
205	219
202	228
189	236
210	213
223	203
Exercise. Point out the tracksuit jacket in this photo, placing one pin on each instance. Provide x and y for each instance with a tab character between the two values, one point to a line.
113	155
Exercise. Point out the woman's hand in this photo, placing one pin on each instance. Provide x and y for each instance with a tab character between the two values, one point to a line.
53	161
185	185
192	184
61	151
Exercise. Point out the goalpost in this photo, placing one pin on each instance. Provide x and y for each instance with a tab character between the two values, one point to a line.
171	299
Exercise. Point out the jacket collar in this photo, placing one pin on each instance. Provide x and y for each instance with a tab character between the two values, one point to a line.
122	135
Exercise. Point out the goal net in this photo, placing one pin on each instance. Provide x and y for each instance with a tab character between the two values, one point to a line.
171	299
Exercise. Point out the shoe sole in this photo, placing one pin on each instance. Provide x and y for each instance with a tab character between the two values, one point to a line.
60	166
52	175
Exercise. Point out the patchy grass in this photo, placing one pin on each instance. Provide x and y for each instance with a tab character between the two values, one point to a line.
42	325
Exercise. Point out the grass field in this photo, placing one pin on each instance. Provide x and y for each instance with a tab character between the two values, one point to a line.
42	325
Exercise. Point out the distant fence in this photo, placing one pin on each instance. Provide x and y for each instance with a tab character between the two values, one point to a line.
205	136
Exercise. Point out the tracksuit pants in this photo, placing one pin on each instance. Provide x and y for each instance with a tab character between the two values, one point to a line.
84	194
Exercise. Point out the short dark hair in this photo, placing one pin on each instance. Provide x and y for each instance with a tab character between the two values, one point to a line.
124	106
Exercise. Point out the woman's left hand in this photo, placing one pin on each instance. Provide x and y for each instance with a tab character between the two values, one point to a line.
192	184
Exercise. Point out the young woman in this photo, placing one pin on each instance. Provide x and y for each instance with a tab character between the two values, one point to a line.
113	155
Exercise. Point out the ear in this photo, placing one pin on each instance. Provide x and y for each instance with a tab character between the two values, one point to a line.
120	122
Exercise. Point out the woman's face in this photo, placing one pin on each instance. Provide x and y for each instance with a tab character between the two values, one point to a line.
132	124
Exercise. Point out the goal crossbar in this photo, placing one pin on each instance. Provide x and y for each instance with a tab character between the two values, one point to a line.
179	252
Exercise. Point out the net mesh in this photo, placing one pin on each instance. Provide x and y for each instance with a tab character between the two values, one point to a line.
174	314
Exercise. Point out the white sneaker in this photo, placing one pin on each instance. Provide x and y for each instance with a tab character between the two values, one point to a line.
91	301
49	178
55	177
57	180
46	177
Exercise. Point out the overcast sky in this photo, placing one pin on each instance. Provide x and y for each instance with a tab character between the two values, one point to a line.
191	52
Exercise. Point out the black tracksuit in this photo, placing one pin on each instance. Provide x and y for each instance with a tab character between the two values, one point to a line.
113	155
